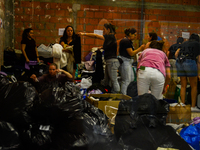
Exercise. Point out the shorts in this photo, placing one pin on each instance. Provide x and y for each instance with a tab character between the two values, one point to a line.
187	69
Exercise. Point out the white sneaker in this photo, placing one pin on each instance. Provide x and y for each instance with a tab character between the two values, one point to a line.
195	109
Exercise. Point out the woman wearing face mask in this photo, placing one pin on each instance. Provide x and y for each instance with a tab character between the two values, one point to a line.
71	44
126	52
110	55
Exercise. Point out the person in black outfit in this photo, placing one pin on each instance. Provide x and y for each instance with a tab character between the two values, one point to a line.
70	38
110	55
29	51
188	66
29	48
172	60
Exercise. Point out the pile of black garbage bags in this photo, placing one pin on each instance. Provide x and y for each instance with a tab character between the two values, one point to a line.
59	119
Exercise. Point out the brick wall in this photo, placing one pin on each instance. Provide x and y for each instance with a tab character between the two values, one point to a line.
2	31
47	17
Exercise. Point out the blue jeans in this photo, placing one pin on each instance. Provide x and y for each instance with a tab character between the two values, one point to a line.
112	66
127	74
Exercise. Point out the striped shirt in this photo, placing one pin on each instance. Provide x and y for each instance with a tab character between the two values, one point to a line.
154	58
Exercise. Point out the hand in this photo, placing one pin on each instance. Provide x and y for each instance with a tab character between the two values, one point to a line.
142	47
59	70
33	76
80	33
38	60
164	90
199	77
27	60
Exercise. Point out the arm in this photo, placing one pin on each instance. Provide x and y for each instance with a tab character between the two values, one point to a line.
38	60
147	45
132	53
65	72
177	52
92	35
167	78
24	53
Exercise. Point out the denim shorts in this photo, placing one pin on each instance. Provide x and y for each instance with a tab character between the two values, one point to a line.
187	69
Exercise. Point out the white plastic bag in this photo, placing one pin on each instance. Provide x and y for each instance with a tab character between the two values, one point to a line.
86	82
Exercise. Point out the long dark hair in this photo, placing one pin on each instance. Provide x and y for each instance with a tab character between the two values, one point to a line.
129	30
65	36
111	27
153	36
194	37
25	33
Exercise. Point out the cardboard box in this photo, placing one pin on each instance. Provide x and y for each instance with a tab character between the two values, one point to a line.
112	102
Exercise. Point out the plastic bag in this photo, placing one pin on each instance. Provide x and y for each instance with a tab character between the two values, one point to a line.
191	135
9	137
86	83
89	65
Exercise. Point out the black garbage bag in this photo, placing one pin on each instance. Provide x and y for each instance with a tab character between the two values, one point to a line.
9	137
145	138
3	80
132	89
143	105
38	136
87	130
16	99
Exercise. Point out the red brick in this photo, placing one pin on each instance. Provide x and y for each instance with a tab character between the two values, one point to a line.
94	7
194	2
107	15
104	8
84	48
80	28
45	18
80	13
35	18
89	41
53	32
82	20
17	4
39	11
116	15
18	24
50	12
89	14
66	20
185	19
149	11
152	17
36	4
60	25
54	19
190	14
165	12
29	11
98	14
60	12
39	26
186	2
19	11
85	7
17	18
121	24
161	18
93	21
122	9
55	5
51	40
29	25
45	5
146	17
130	24
26	4
135	16
157	11
193	20
37	32
65	6
50	26
40	40
126	16
182	13
89	28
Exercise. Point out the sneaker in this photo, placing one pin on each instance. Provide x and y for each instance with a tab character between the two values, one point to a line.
195	109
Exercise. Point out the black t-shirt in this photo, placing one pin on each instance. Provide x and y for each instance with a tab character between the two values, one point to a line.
173	50
30	48
76	49
110	46
191	49
123	45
